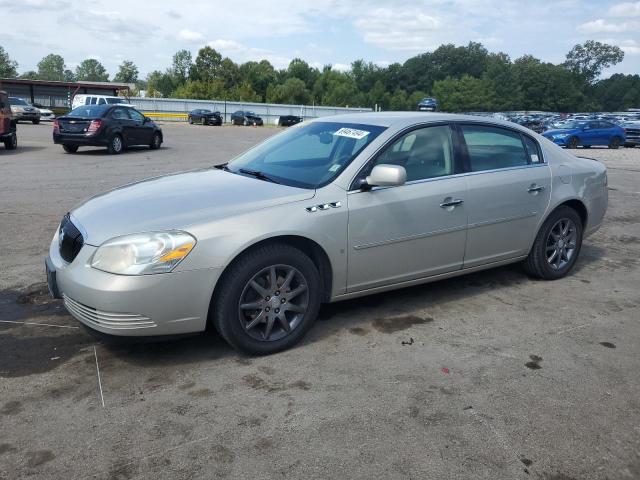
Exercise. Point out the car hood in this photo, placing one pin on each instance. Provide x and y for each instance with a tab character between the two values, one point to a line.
558	131
175	202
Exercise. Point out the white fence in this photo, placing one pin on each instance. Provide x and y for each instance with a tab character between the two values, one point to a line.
176	109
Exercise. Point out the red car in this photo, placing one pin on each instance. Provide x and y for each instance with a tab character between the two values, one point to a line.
7	123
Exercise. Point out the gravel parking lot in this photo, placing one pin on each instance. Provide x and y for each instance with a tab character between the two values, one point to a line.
488	376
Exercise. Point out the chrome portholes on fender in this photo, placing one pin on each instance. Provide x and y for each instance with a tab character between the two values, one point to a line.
323	206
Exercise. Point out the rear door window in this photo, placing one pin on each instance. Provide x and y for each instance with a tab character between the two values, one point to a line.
492	148
533	150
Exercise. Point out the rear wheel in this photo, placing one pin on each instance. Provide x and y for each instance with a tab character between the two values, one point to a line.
629	145
268	299
557	245
203	121
11	143
156	141
70	148
573	142
35	122
614	143
116	145
190	120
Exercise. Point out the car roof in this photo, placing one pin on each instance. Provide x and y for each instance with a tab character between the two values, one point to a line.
406	119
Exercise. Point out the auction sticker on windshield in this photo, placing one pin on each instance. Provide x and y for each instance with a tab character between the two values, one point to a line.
352	133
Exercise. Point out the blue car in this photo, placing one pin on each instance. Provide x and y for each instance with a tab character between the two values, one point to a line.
428	105
573	134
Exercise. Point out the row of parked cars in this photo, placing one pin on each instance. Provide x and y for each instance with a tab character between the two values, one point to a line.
29	112
241	117
584	130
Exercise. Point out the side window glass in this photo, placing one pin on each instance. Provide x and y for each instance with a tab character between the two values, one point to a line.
424	153
135	115
533	151
93	100
101	101
120	114
491	148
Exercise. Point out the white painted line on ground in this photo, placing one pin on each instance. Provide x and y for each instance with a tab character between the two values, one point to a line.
38	324
95	353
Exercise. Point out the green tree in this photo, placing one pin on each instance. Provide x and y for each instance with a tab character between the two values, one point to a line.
293	91
207	65
335	88
590	58
51	68
8	67
91	70
259	75
298	68
181	65
69	76
160	84
466	94
30	74
127	72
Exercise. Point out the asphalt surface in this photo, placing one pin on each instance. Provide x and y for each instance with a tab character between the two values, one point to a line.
488	376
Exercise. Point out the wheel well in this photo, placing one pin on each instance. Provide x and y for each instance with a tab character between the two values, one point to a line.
580	209
312	249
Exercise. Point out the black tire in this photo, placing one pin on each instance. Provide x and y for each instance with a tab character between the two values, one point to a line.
203	121
573	142
190	120
614	143
226	314
629	145
156	141
70	148
11	143
116	145
537	263
586	146
35	122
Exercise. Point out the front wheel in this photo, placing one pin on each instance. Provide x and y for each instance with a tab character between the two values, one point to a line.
268	299
116	145
11	143
190	120
572	142
70	148
156	141
35	122
557	245
614	143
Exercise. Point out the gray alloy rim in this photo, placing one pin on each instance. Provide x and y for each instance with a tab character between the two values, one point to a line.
561	243
156	140
273	303
117	144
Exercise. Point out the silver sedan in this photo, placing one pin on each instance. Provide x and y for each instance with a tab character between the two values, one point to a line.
328	210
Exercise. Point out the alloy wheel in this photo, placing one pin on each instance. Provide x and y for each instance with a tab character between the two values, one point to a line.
273	303
116	143
561	243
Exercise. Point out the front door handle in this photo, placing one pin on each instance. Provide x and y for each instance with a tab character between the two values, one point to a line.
451	202
535	189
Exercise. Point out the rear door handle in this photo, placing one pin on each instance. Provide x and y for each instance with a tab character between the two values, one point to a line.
533	188
451	202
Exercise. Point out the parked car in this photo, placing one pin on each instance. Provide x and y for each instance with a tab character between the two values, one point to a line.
46	115
428	104
632	133
8	134
113	126
589	133
83	99
245	118
204	117
23	111
288	120
336	208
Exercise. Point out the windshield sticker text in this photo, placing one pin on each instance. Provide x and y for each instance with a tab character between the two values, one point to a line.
351	133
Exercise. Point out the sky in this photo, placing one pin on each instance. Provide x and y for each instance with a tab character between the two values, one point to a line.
321	32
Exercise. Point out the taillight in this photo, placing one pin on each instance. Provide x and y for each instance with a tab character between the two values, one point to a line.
94	126
56	126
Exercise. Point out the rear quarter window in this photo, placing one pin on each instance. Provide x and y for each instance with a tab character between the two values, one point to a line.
492	148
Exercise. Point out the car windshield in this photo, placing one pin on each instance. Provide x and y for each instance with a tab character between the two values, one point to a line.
88	111
205	111
307	156
253	114
114	101
17	101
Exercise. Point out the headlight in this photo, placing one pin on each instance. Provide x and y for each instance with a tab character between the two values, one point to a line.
143	253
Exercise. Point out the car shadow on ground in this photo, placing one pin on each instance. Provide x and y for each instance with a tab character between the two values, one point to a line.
20	150
99	151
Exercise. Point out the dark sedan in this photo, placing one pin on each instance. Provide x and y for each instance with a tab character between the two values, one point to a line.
111	126
245	118
204	117
632	133
288	120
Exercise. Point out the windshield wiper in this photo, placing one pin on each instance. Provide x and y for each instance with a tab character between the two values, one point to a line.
257	174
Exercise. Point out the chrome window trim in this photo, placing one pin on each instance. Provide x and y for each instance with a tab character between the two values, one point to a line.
455	175
451	124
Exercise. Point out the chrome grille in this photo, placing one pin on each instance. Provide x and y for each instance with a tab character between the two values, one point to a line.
99	318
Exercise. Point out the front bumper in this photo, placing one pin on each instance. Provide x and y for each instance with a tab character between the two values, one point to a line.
121	305
30	116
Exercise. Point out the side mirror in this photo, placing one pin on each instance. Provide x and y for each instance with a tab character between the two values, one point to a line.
385	175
